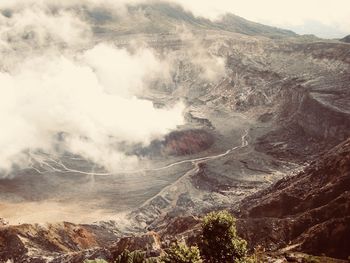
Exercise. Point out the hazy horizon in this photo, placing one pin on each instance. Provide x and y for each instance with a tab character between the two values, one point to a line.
323	18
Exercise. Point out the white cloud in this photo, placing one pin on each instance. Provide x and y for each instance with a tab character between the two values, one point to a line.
211	67
36	26
51	94
110	66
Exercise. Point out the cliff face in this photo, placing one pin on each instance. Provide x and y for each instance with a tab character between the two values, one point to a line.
311	210
311	116
323	121
320	113
319	103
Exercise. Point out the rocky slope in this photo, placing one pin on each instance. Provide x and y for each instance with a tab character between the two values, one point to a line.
295	96
306	212
69	243
43	243
309	211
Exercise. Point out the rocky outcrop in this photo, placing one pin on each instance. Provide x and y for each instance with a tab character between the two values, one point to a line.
310	209
66	242
187	142
3	222
308	122
321	120
179	143
149	242
42	242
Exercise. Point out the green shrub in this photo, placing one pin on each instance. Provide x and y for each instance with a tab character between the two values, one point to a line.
181	253
95	261
249	260
220	242
136	256
131	257
311	259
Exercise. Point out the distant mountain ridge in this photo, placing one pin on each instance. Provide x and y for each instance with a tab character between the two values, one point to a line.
163	17
238	24
346	39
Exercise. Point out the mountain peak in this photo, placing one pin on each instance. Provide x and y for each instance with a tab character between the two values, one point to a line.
234	23
346	39
164	17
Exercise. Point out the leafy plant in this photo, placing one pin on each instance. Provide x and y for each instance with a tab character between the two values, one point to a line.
220	242
131	257
95	261
311	259
181	253
136	256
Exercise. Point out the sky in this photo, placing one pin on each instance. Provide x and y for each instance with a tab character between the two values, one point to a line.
324	18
